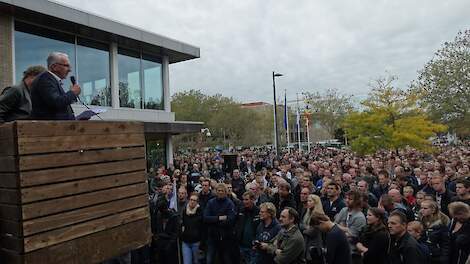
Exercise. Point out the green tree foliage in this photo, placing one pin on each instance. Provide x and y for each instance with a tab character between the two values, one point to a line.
444	84
229	123
391	119
329	108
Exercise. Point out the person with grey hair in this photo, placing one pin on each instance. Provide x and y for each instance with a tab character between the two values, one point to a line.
49	100
15	101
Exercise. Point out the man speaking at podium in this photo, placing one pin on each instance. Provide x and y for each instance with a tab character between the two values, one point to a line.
49	100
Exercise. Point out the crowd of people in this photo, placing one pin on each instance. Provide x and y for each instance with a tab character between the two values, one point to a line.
326	206
323	206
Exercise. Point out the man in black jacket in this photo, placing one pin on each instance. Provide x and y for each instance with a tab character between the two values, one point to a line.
284	198
404	249
49	100
247	222
443	195
15	101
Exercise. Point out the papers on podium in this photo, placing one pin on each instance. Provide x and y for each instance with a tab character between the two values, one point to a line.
87	114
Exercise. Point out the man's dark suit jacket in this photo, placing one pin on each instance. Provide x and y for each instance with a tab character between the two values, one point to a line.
49	100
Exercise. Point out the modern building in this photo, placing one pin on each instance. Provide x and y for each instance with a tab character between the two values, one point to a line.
120	68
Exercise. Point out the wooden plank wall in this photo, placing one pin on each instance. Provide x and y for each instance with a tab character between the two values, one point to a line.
71	183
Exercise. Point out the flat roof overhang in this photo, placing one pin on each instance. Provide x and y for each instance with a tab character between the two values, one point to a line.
174	128
71	20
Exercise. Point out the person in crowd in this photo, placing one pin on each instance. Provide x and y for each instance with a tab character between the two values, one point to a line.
219	216
374	239
462	188
206	193
247	223
351	220
288	245
194	177
363	187
333	203
384	183
191	235
408	195
435	227
303	202
182	199
284	197
267	229
216	173
443	195
233	197
238	183
417	207
404	248
459	233
337	246
304	182
15	101
312	235
416	230
261	197
48	99
313	205
387	203
165	228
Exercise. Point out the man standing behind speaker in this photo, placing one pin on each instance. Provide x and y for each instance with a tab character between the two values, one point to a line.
49	100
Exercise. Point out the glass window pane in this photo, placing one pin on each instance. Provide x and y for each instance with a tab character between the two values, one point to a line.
153	85
33	49
129	81
93	73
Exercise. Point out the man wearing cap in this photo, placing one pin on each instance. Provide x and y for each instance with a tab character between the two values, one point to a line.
15	101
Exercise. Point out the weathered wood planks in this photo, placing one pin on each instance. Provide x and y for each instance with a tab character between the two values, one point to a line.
71	191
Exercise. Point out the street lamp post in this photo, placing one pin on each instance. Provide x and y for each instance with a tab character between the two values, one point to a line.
276	134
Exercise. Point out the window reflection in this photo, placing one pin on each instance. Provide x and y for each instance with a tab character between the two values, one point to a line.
93	73
129	80
153	88
33	49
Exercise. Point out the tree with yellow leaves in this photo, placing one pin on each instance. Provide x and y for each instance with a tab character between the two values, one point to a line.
391	119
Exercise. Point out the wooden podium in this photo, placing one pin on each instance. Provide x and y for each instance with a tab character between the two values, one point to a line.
72	191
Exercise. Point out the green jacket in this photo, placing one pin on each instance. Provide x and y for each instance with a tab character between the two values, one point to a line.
15	103
292	246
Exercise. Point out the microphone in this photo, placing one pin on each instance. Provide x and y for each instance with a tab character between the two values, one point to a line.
74	81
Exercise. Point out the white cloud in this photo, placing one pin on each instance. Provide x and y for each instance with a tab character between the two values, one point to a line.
316	44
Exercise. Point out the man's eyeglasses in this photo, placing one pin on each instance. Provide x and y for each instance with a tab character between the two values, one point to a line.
62	64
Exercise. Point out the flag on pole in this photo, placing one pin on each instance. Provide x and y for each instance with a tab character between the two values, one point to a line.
297	119
285	111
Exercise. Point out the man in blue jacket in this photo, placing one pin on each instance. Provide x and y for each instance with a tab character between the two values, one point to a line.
219	215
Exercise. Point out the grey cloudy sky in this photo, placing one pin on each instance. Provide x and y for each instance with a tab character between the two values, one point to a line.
316	44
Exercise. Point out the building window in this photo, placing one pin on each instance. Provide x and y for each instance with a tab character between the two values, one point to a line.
93	72
140	80
153	84
33	44
129	79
